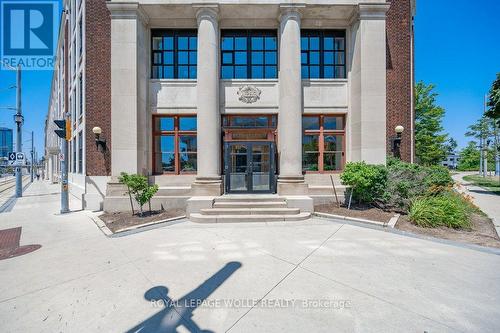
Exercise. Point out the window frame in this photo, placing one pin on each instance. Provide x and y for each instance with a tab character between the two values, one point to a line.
176	133
175	33
322	34
321	133
248	34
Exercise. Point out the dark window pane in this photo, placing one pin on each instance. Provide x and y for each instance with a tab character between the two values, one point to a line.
240	43
183	58
314	58
257	43
168	43
240	72
257	58
328	43
257	72
339	58
168	72
156	73
328	58
157	43
303	58
192	72
164	124
310	123
240	58
227	43
193	43
270	43
183	43
227	58
304	43
192	58
314	72
271	72
305	72
168	58
333	143
314	43
157	58
187	143
339	72
333	123
310	161
183	72
328	72
332	161
227	72
188	162
339	43
270	58
187	123
167	162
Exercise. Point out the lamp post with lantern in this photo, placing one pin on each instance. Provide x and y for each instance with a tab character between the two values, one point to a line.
396	141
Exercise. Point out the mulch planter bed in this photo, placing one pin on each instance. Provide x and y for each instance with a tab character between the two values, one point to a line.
358	211
121	220
483	231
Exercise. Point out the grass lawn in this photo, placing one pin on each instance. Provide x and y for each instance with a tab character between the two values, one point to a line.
489	183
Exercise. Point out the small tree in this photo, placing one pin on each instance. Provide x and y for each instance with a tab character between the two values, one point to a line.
139	188
494	100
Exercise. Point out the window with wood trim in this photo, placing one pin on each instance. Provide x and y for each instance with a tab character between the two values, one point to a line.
174	144
323	143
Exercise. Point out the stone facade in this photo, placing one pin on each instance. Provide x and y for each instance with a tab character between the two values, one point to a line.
122	98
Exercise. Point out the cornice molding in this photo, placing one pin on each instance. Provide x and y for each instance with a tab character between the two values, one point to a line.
127	10
373	11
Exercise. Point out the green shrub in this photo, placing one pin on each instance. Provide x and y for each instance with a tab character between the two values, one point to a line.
406	182
447	209
367	181
138	188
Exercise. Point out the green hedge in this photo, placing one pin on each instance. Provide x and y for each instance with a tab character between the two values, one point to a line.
366	180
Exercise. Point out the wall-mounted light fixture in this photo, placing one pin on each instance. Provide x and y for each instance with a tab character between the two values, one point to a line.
396	141
99	143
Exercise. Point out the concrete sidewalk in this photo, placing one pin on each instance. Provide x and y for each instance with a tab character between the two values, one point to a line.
311	276
487	201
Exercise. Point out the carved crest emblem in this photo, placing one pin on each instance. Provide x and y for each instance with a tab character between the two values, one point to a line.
249	94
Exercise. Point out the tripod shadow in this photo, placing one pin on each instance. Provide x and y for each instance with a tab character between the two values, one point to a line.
179	313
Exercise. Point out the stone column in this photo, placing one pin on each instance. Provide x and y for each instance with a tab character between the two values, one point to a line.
208	180
367	114
290	180
128	82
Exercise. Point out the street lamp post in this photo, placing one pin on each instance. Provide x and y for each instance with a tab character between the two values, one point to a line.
396	142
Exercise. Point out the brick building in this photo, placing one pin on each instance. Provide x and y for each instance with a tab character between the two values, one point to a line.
250	97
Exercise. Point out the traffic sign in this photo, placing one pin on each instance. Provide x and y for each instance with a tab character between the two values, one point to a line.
16	159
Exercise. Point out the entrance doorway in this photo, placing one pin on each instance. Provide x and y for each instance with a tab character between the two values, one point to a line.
249	167
249	153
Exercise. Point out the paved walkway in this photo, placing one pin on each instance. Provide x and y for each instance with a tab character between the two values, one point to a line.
310	276
487	201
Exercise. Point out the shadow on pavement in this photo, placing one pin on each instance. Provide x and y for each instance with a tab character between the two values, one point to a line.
179	313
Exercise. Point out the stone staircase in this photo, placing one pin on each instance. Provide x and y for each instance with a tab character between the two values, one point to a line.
249	208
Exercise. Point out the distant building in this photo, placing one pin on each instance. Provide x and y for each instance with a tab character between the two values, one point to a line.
6	143
451	161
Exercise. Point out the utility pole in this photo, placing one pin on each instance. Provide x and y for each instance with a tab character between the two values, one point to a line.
32	156
18	118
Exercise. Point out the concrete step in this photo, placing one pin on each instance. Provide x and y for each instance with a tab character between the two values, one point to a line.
249	198
250	211
249	204
326	190
197	217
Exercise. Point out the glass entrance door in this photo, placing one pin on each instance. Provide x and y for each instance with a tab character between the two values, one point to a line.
249	167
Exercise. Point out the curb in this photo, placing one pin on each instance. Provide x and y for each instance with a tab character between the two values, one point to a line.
392	222
129	230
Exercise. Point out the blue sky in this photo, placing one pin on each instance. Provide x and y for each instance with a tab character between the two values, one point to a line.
457	49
